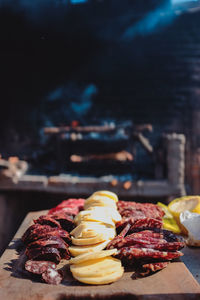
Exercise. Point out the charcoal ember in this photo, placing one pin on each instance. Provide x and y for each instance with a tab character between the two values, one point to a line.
70	206
47	220
52	241
133	253
152	267
38	267
66	221
52	276
44	253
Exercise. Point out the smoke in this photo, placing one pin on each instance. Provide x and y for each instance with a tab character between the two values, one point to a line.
154	20
37	11
182	1
54	11
69	102
84	103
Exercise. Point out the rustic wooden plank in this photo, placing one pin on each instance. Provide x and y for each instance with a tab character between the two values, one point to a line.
174	282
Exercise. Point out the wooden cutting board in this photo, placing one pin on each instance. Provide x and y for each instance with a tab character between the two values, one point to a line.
173	282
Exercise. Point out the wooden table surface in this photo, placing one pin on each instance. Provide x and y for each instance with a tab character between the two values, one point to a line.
173	282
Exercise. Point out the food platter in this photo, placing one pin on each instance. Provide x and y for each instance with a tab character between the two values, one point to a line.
173	282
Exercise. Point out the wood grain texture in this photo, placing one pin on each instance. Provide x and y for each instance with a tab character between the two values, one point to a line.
174	282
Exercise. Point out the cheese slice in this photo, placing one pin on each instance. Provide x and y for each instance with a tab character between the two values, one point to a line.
93	255
102	280
107	211
108	194
90	241
91	229
93	215
92	232
77	250
96	268
100	201
100	212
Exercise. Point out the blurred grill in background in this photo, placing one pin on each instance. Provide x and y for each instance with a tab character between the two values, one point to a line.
81	79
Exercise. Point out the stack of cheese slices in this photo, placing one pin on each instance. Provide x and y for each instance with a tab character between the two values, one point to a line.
95	228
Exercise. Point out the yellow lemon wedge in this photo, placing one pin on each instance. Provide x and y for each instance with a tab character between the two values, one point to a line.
179	205
169	222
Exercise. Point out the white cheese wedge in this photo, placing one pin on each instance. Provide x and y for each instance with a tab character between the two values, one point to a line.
90	229
93	255
89	241
102	280
77	250
105	211
106	194
96	268
108	211
100	201
93	215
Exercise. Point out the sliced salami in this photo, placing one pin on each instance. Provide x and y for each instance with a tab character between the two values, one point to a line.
44	253
153	267
141	222
52	276
141	253
35	229
134	209
71	206
52	241
42	233
39	267
66	221
47	220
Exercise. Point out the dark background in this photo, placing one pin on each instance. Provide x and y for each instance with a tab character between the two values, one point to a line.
96	61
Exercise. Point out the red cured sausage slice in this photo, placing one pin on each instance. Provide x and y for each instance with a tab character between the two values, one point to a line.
36	229
145	242
52	276
52	241
134	209
142	222
156	266
44	253
70	206
153	267
47	220
132	252
38	267
65	220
